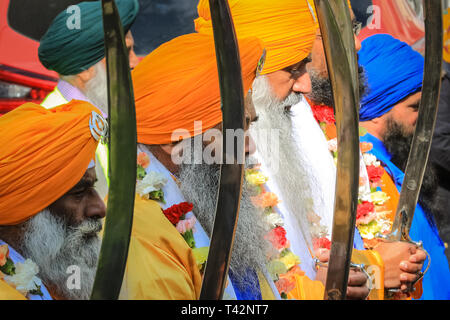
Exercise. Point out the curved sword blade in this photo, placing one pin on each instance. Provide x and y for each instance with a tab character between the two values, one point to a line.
421	144
231	175
334	21
122	160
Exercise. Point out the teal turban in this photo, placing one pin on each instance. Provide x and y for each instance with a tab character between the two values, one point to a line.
69	47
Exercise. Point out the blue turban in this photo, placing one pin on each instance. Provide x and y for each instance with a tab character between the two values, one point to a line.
393	70
69	48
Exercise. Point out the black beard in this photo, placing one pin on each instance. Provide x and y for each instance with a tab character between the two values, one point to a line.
398	144
322	92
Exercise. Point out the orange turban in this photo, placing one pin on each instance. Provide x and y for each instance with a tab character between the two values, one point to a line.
178	84
43	154
286	28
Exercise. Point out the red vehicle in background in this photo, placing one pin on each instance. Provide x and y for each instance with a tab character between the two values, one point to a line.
23	22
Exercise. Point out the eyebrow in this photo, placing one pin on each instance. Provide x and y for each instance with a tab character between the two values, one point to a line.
84	183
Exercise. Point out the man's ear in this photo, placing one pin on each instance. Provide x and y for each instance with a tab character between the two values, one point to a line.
87	75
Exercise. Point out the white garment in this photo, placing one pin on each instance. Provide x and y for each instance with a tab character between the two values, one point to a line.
173	195
313	148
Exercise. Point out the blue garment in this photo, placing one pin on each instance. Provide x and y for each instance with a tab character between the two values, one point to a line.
393	71
244	292
16	257
436	282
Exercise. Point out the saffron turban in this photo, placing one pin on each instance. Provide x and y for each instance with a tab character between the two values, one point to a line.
44	153
178	84
286	27
70	48
393	71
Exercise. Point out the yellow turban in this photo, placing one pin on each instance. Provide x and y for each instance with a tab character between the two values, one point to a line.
313	7
286	27
43	154
178	84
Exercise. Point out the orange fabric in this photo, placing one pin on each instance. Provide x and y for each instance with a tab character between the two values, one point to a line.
286	28
388	186
306	289
43	154
178	84
374	265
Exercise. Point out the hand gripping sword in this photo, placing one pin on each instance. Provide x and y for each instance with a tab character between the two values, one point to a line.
421	143
336	29
231	174
122	160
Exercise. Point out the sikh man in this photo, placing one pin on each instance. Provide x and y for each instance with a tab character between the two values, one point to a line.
280	88
50	214
389	112
191	91
78	56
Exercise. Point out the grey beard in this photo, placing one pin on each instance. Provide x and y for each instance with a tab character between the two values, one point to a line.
290	174
199	184
96	89
54	246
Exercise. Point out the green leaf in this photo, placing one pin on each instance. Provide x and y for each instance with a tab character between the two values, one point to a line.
140	172
37	291
157	195
189	238
8	268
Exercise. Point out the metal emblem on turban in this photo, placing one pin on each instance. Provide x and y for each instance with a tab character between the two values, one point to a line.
98	126
261	62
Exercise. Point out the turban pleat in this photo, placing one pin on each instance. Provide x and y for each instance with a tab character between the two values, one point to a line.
286	28
178	84
68	48
393	71
44	153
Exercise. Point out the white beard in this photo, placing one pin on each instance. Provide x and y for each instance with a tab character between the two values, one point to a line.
54	246
96	89
199	184
290	174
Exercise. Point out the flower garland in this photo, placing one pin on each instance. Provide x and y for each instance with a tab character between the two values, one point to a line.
149	186
284	265
372	215
21	276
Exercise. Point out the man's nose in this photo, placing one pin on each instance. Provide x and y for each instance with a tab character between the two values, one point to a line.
134	60
96	207
302	84
250	146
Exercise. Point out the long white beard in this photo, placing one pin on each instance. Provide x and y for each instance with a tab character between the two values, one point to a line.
290	173
199	184
54	246
96	89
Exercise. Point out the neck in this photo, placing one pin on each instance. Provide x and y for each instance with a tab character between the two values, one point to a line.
373	128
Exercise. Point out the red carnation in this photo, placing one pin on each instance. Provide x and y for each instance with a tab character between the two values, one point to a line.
277	237
364	209
177	211
321	243
375	173
323	114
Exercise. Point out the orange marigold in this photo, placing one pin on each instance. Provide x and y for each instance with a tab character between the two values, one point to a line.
265	199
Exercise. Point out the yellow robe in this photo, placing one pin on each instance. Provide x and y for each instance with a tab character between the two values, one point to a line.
9	293
160	265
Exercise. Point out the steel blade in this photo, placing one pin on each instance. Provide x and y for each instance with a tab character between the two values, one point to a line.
122	160
421	143
337	33
231	175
